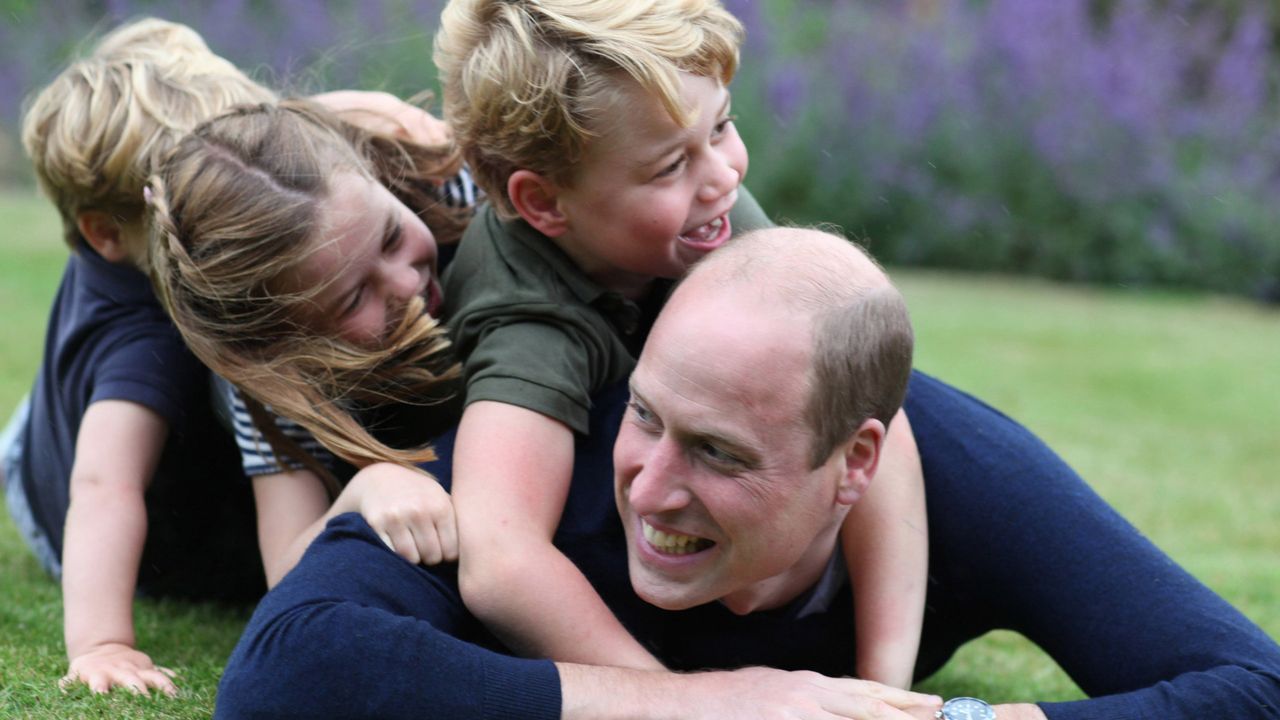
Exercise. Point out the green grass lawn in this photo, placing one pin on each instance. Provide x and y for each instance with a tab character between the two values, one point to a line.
1167	404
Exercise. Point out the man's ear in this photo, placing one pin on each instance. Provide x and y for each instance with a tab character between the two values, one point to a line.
861	456
103	233
536	200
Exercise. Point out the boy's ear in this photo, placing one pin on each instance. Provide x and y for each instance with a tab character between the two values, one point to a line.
536	199
103	233
861	455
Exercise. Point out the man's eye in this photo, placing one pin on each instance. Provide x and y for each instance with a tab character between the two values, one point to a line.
641	413
713	453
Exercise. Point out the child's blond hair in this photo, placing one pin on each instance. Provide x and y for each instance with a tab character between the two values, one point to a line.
236	208
95	133
524	79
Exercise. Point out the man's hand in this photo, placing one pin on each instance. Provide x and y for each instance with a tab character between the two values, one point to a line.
410	511
113	665
747	694
768	693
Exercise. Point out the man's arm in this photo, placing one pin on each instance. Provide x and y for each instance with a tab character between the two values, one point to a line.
117	450
1019	541
355	631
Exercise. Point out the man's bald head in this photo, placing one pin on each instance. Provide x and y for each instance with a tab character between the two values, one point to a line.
861	338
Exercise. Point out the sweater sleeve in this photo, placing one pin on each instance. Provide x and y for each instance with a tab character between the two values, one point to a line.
1023	543
355	631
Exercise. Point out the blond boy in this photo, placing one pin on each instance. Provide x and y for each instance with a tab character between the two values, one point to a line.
601	132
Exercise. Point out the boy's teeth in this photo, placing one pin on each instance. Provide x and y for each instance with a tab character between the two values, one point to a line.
673	544
706	232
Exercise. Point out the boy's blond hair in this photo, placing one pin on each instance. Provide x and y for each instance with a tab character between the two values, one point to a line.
95	133
524	80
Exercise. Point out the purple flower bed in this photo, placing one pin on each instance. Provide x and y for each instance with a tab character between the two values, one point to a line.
1140	145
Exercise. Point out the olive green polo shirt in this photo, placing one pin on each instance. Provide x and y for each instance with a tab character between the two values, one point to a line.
533	330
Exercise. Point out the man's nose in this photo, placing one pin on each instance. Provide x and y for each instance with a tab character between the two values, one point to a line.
660	485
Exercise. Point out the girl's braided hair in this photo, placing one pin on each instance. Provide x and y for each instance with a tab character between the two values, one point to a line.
234	209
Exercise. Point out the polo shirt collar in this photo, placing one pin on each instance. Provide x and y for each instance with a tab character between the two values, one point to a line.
120	282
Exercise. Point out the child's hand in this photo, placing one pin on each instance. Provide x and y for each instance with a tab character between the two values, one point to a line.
117	665
387	114
410	511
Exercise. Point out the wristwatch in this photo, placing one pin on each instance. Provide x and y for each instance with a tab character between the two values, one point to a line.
966	708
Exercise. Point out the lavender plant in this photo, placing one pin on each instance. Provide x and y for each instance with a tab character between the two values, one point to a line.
1115	141
1133	142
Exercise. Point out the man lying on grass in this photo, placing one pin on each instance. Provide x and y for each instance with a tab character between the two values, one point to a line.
726	554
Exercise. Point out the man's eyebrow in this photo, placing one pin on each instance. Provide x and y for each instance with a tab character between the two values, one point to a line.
746	454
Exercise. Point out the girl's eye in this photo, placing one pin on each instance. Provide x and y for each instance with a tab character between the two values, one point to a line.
392	240
354	302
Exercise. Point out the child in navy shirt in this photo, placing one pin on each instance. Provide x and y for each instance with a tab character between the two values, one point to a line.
117	473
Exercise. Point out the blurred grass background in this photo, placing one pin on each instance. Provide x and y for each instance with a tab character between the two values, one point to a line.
1165	402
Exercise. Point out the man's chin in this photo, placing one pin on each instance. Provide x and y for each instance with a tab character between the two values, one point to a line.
664	593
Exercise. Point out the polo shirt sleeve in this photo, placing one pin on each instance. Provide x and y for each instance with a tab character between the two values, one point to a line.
153	368
540	359
747	215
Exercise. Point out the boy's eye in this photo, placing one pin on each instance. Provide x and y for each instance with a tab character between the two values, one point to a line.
673	168
723	125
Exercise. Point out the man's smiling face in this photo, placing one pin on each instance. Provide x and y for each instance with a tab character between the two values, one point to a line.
712	475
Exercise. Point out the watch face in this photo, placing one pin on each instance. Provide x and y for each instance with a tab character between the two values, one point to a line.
967	708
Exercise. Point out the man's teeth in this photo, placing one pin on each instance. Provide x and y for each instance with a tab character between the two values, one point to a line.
706	232
671	543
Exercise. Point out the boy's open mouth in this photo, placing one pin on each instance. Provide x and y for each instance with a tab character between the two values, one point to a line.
709	236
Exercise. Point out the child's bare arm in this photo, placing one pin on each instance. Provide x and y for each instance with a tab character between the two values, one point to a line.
406	506
117	449
886	546
289	505
512	469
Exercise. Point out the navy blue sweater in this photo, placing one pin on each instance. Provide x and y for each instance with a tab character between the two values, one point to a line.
1017	541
